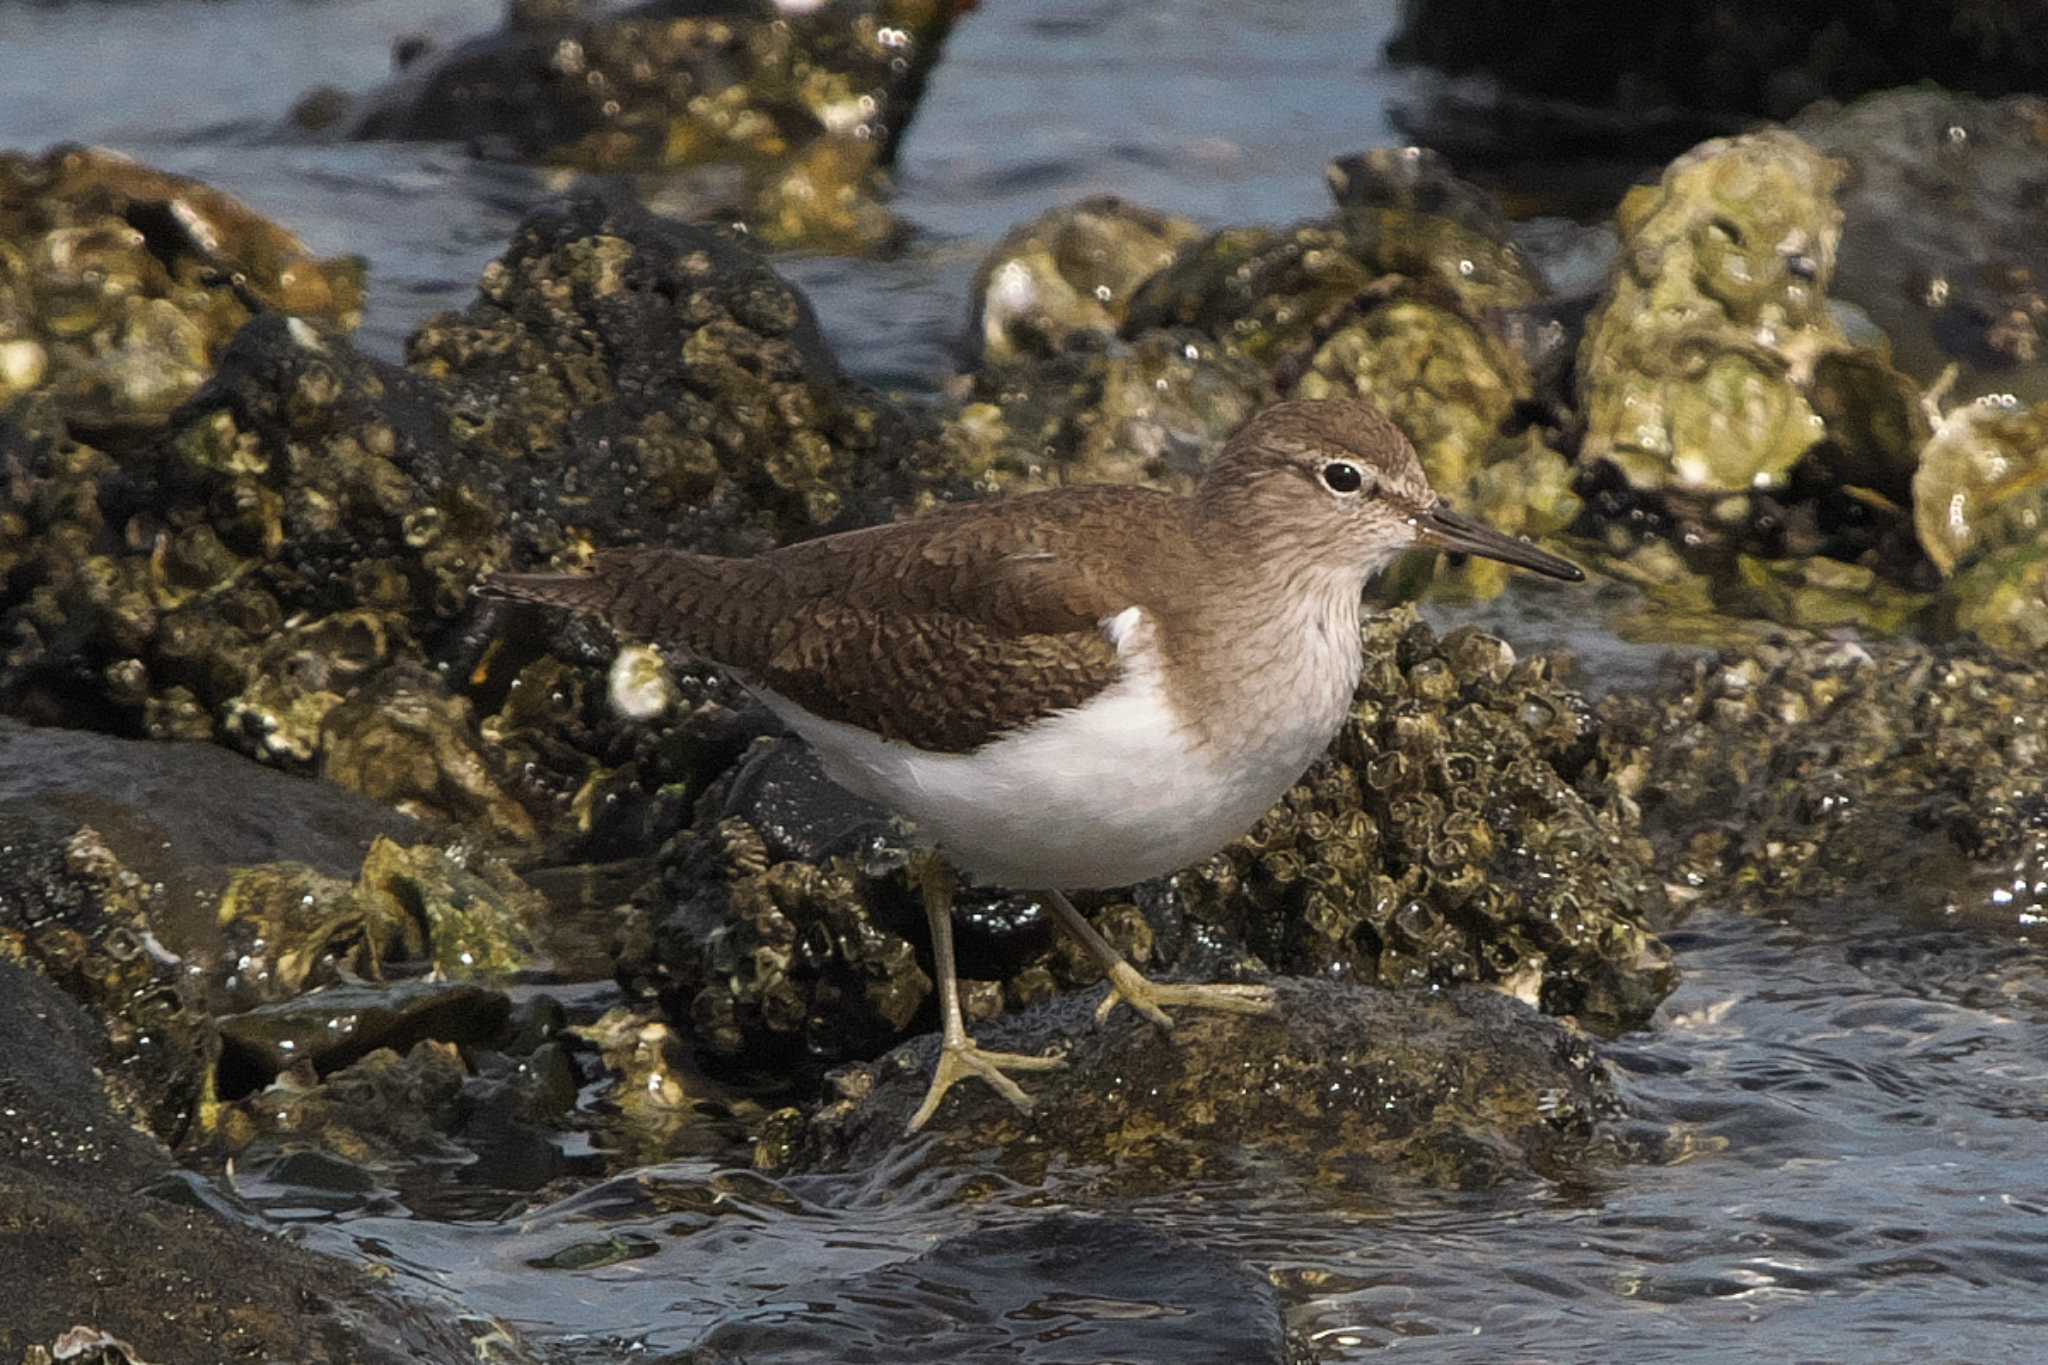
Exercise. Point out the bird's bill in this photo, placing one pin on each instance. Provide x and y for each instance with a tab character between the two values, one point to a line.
1455	533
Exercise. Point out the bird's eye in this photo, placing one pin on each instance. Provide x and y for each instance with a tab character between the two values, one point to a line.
1340	476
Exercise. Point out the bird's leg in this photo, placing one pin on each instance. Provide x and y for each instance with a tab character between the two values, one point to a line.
1129	986
959	1057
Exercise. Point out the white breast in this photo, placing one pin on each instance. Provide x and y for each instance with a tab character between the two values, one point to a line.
1114	791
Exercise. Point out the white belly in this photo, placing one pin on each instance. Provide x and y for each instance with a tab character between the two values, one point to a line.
1107	794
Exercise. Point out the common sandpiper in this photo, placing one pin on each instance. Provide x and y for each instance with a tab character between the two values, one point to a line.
1068	690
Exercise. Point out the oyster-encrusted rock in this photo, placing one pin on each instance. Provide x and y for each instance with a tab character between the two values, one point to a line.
1691	372
1069	273
805	105
120	285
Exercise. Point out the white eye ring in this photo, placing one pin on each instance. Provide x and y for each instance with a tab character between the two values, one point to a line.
1343	477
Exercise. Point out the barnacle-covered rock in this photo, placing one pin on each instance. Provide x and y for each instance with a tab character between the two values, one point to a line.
1941	241
1691	371
1339	1086
273	552
639	378
70	909
807	103
120	285
766	936
1069	272
404	741
1152	410
1443	840
288	567
1797	775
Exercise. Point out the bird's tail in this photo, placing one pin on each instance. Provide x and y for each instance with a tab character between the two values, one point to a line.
597	593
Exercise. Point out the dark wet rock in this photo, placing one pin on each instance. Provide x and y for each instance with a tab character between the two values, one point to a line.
69	909
63	1117
336	1025
566	371
1940	236
107	1249
1036	1293
120	285
1342	1086
807	103
419	1126
1794	777
1067	274
1719	61
213	977
1152	410
1444	840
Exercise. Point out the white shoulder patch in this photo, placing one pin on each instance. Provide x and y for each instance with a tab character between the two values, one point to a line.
1123	627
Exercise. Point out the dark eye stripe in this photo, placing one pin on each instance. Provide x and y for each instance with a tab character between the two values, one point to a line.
1340	477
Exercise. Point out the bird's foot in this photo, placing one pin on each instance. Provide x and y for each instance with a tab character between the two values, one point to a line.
958	1061
1129	986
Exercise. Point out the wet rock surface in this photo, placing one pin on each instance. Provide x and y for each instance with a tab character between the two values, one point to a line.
255	971
98	1226
804	104
1791	778
121	285
1592	103
1341	1086
1059	1289
1938	240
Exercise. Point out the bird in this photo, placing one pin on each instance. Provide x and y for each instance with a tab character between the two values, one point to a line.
1073	689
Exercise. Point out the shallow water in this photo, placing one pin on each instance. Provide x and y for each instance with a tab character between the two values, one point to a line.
1863	1095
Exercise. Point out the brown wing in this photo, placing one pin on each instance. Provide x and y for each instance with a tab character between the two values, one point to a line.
943	632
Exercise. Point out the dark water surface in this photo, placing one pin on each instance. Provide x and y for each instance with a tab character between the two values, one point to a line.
1863	1097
